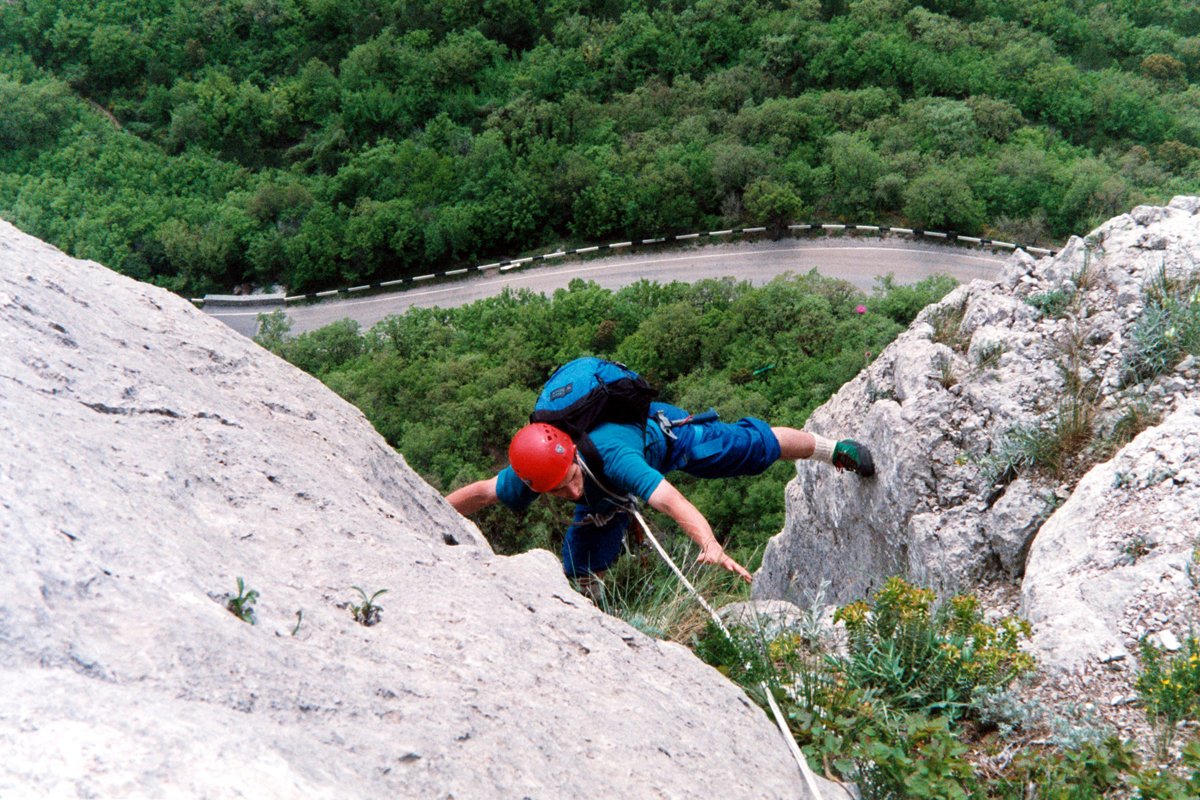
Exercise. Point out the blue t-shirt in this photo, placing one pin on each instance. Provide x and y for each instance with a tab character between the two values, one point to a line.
635	461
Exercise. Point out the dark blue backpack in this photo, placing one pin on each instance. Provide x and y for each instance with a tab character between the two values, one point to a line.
588	392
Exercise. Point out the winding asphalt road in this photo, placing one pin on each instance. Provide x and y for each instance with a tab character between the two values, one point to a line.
858	261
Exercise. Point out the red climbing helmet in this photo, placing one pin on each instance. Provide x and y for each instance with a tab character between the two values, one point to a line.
541	455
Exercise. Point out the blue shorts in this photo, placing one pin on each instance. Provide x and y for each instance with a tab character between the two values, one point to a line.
712	450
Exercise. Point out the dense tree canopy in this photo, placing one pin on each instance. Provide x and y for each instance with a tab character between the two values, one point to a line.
204	143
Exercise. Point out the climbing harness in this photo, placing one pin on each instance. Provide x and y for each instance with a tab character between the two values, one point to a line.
668	426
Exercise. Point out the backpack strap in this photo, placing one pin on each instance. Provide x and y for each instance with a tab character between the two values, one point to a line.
593	467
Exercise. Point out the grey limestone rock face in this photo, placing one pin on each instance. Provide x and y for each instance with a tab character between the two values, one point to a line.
940	408
150	456
1115	562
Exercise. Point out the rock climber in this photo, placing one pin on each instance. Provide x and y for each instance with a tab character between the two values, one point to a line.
545	460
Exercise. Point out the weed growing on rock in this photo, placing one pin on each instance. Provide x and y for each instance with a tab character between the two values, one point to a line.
988	355
1134	549
1091	771
1170	685
1071	431
1133	419
944	365
1010	713
875	393
741	656
1053	303
867	716
1049	446
646	594
367	613
242	606
1072	365
1017	449
1167	785
947	325
882	714
1169	326
1086	276
925	659
810	626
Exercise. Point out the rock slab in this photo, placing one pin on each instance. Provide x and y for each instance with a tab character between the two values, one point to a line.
1116	562
150	457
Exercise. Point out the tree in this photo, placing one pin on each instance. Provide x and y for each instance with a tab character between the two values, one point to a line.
116	57
31	113
669	343
773	204
1168	72
856	167
942	200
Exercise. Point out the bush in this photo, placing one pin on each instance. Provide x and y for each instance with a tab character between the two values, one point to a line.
1170	686
1053	303
926	659
902	303
882	716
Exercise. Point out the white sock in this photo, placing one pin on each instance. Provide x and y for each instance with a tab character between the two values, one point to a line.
823	449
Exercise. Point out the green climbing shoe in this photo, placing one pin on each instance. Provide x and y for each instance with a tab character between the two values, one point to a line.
849	454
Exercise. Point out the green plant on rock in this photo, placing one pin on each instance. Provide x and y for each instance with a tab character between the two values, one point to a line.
367	613
1169	326
1165	785
242	605
1134	549
919	757
988	355
944	365
1088	273
739	656
1133	419
1049	445
926	659
643	591
866	731
947	324
1052	303
1091	771
875	393
1170	685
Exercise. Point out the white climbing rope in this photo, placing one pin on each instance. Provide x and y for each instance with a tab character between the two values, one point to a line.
809	778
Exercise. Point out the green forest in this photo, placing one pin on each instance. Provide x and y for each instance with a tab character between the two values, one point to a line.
202	144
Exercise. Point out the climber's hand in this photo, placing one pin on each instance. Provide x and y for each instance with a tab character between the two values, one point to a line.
715	554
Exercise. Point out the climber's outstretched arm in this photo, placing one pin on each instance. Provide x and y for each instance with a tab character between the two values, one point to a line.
669	500
473	496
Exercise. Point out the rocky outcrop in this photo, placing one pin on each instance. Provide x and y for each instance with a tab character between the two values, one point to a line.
150	457
956	410
1116	562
